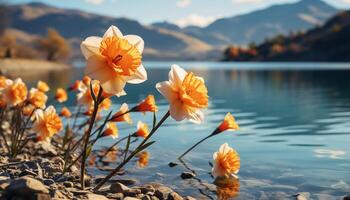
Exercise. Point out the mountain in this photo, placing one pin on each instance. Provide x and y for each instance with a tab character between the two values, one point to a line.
327	43
35	18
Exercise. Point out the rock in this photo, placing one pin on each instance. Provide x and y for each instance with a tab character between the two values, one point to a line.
347	197
172	164
187	175
118	196
174	196
302	196
26	186
46	148
68	184
48	182
127	182
163	192
146	197
28	172
189	198
146	189
92	196
4	182
131	198
120	188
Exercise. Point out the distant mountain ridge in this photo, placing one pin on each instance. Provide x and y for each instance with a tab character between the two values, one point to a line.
167	41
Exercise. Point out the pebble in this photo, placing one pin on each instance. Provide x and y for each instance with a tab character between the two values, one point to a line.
26	186
120	188
187	175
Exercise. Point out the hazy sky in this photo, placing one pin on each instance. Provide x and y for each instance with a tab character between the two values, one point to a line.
181	12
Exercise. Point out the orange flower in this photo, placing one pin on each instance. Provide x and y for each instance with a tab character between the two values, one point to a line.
61	95
228	124
111	130
186	93
142	130
37	98
226	162
47	123
143	159
3	82
86	80
15	92
28	110
105	104
42	86
147	105
114	60
75	86
120	116
65	112
84	96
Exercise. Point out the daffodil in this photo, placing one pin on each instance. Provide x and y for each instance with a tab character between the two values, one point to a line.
142	130
37	98
111	130
226	162
147	105
186	93
47	123
42	86
114	60
228	124
61	95
14	93
122	115
65	112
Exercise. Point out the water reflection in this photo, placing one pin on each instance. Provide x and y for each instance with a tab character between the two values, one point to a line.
294	131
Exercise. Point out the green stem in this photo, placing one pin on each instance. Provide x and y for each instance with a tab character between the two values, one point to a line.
121	165
188	150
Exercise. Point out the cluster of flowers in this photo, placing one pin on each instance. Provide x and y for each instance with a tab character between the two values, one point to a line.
113	61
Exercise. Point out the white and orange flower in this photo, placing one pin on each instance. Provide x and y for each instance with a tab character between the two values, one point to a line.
111	130
142	130
114	60
226	162
147	105
84	96
228	124
47	123
14	93
121	115
42	86
186	93
37	98
65	112
61	95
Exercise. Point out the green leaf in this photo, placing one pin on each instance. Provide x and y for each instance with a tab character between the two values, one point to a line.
127	147
143	147
88	150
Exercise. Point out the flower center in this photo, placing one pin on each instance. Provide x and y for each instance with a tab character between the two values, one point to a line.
229	161
120	55
193	92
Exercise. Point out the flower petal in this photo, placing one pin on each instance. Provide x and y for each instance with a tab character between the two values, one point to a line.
177	111
177	75
137	41
90	46
97	69
113	31
166	90
139	77
196	117
114	86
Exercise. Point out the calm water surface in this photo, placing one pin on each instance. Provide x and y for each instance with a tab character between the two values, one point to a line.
294	137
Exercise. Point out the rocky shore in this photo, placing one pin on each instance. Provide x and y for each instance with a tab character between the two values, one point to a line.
37	174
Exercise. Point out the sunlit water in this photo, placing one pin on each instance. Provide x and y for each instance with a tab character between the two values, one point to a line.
294	137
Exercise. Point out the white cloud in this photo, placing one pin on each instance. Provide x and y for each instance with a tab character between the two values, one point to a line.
96	2
247	1
196	20
183	3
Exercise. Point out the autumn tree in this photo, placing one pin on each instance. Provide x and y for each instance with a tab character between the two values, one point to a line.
54	46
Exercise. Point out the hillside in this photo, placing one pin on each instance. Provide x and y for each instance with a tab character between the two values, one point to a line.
35	18
328	43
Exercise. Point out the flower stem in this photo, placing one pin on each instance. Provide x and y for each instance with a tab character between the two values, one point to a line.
121	165
87	137
188	150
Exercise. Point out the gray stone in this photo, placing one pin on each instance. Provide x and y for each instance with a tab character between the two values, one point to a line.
118	196
187	175
48	182
26	186
68	184
146	189
174	196
120	188
163	192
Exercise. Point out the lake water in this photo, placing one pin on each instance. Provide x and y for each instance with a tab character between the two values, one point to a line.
294	137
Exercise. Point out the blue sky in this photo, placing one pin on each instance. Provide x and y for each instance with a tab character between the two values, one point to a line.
181	12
